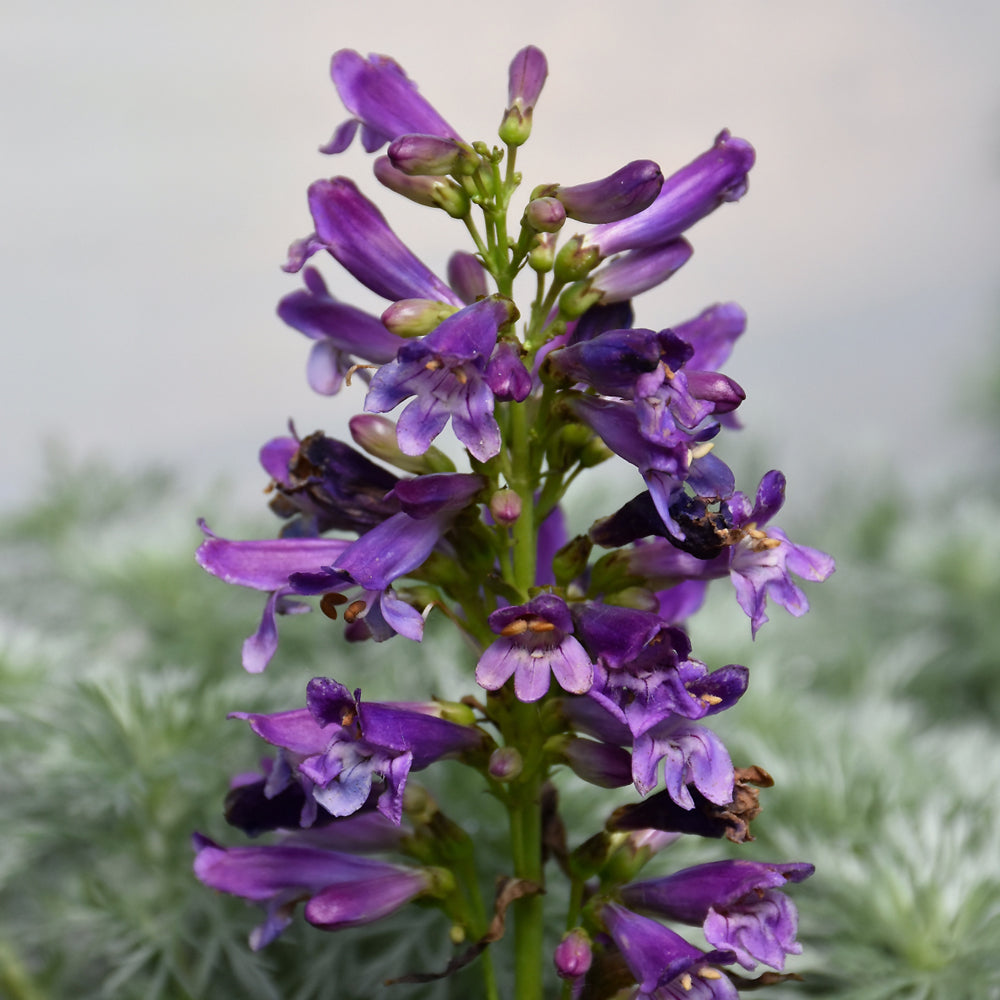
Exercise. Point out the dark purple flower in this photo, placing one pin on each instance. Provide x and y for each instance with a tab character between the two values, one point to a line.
717	176
692	756
341	333
345	890
535	640
626	192
736	901
355	232
339	746
446	372
638	270
382	99
665	966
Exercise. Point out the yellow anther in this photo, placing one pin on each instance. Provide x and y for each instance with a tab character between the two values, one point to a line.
710	699
517	627
667	373
686	981
541	626
433	365
460	376
709	973
701	450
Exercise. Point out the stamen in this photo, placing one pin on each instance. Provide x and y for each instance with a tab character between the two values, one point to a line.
541	626
516	627
329	603
433	365
707	972
460	376
701	450
353	610
710	699
686	981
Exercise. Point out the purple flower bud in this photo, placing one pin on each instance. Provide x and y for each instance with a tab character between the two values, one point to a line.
467	277
573	956
378	93
432	155
506	375
624	193
721	391
601	764
377	435
435	192
528	70
718	175
545	215
505	506
506	763
415	317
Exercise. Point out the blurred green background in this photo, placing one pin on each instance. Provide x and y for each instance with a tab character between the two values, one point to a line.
878	714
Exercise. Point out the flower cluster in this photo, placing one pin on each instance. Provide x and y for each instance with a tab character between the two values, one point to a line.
583	660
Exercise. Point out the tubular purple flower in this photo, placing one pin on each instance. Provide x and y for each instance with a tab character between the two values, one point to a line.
712	334
355	232
446	372
665	966
693	755
382	99
737	903
535	639
626	192
717	176
638	271
346	890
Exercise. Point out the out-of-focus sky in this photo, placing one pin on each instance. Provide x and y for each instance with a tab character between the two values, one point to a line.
156	156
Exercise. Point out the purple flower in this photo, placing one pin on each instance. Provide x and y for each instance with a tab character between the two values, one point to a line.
665	966
345	890
638	270
535	639
736	901
626	192
340	333
446	372
383	101
717	176
356	234
692	755
339	746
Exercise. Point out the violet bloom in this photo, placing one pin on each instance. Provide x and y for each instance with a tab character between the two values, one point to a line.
383	100
340	333
526	77
665	966
355	233
267	565
626	192
343	890
736	901
340	746
535	640
446	372
717	176
392	549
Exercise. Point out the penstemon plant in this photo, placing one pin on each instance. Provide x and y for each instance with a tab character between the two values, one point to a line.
580	658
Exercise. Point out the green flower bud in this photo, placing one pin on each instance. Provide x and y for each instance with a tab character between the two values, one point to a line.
575	261
416	317
377	436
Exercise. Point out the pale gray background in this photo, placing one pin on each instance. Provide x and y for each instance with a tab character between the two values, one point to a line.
156	156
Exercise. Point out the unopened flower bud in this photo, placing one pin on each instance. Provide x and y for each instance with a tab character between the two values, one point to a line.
542	255
545	215
571	560
573	956
434	192
432	154
505	506
621	194
467	277
719	389
505	763
377	435
576	261
506	375
528	70
416	317
578	298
